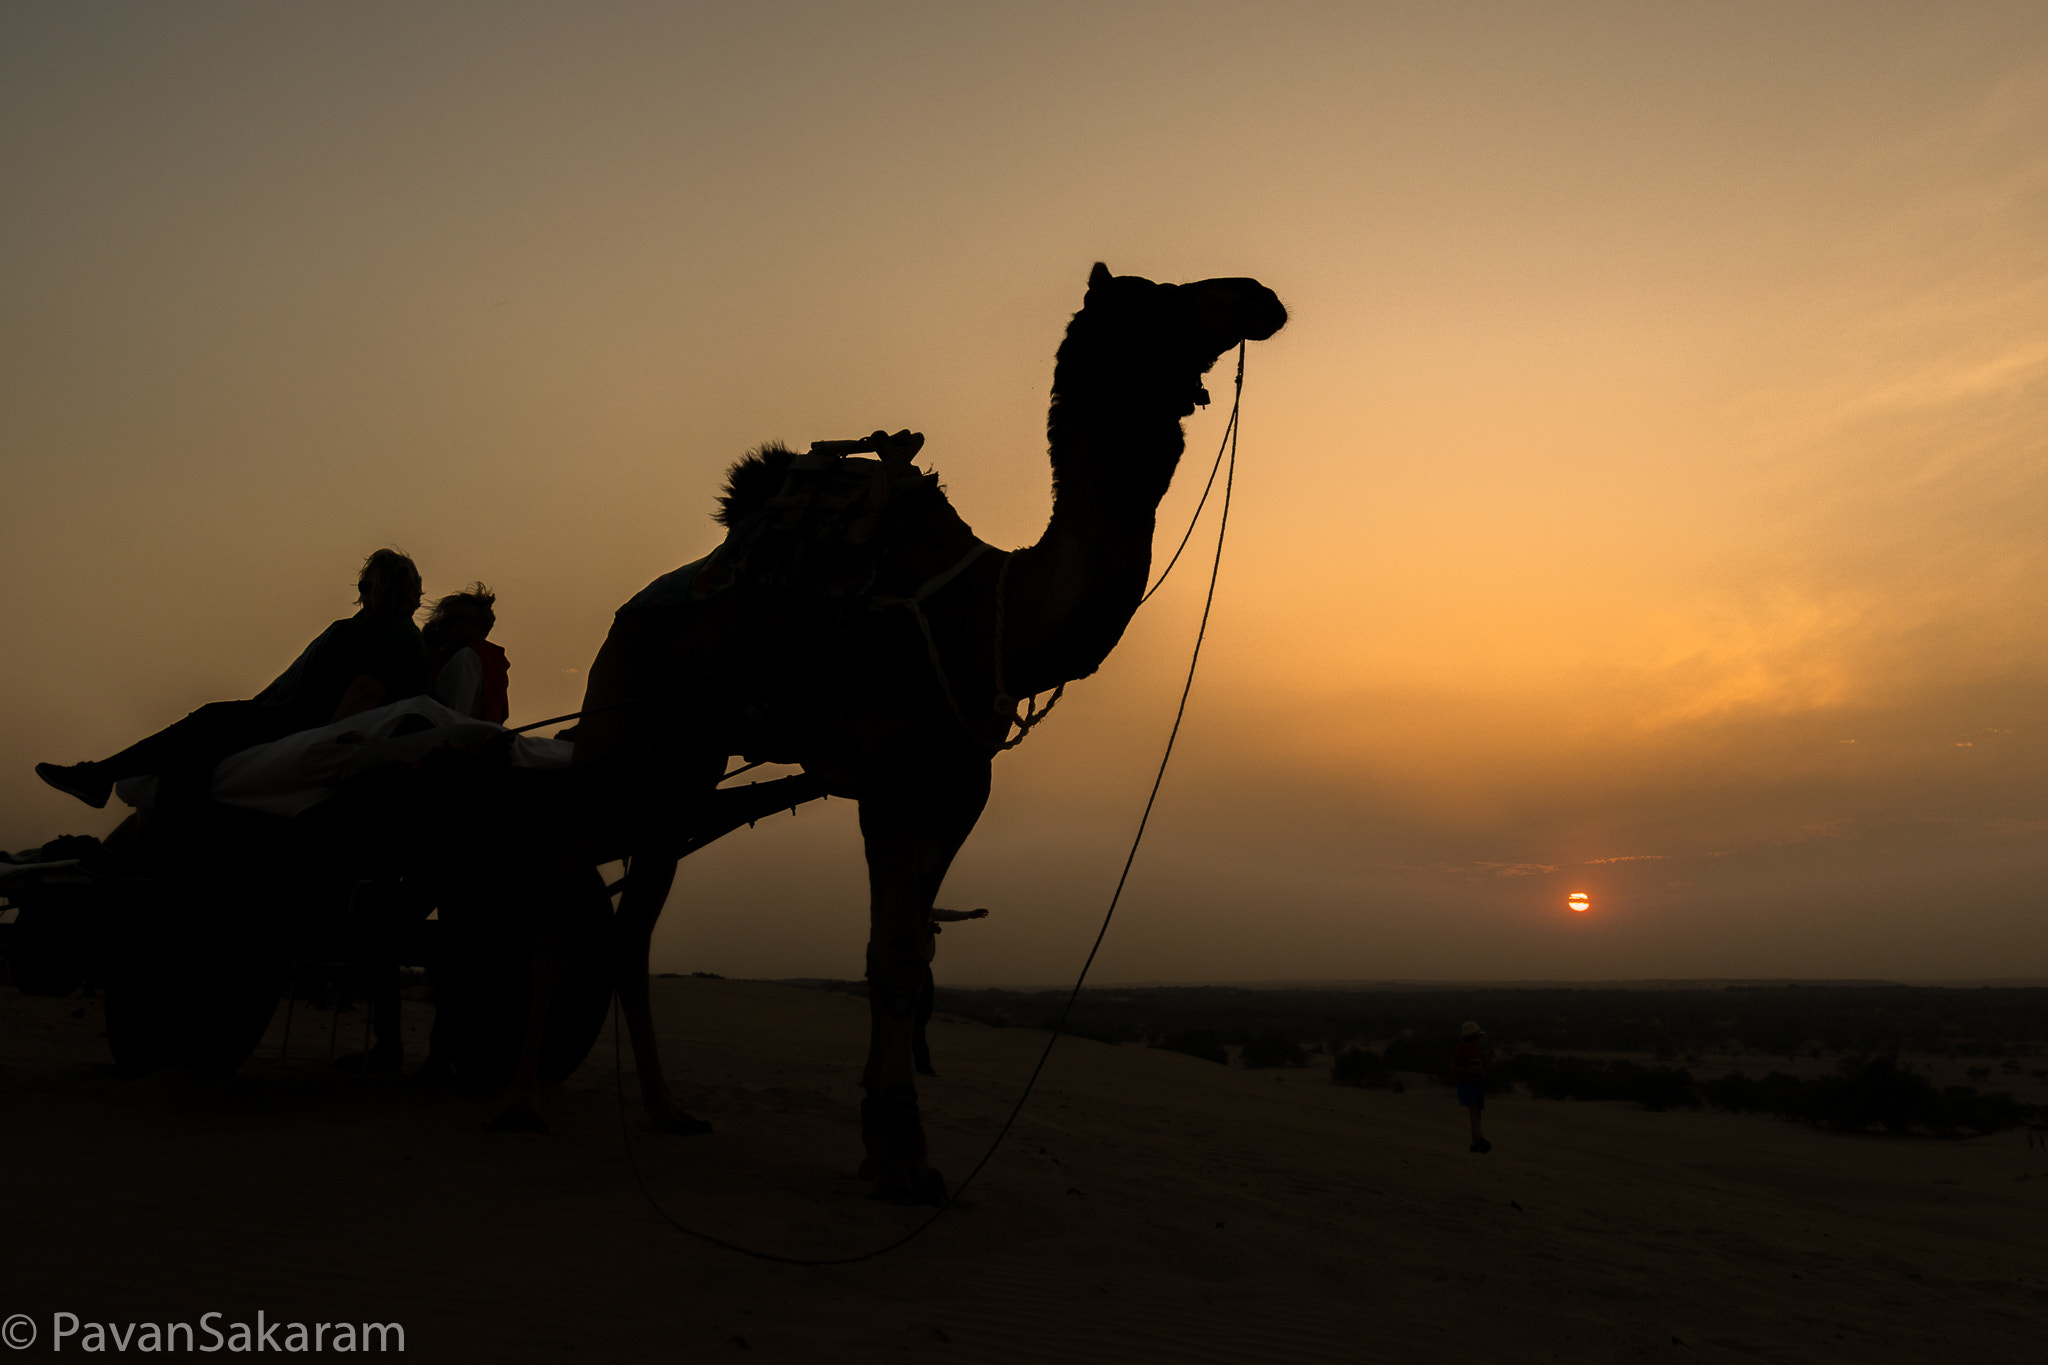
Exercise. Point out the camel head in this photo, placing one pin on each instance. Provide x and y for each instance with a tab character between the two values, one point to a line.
1129	370
1142	343
1215	315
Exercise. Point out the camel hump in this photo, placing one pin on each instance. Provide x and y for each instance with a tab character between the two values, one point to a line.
752	481
761	478
820	523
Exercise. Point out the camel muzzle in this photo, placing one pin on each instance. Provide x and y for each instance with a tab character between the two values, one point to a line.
1240	309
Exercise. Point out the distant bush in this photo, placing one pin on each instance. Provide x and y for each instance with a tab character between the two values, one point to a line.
1963	1107
1877	1091
1269	1050
1431	1056
1776	1093
1195	1043
1870	1092
1101	1030
1582	1078
1357	1066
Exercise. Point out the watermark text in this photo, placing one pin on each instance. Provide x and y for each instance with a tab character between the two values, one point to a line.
212	1332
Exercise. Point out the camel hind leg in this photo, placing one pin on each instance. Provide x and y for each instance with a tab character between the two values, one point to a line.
633	758
640	907
554	906
646	891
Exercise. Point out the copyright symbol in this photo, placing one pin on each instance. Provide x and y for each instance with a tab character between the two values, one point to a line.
19	1331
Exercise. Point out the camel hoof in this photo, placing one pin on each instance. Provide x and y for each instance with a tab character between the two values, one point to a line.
673	1120
518	1117
893	1137
923	1186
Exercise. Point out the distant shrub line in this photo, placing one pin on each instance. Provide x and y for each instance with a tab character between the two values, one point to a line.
1995	1023
1539	1031
1866	1092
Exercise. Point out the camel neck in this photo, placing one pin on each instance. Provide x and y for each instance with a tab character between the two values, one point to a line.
1075	590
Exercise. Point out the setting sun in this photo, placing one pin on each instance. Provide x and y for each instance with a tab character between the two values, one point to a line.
1578	901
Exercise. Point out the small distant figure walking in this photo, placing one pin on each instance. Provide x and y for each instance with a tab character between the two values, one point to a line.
1468	1068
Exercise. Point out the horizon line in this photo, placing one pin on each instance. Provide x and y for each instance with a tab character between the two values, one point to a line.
1448	983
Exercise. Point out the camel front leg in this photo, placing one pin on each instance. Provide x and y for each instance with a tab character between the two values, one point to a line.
647	888
909	847
899	946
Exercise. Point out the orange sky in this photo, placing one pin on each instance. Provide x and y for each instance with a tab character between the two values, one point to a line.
1663	411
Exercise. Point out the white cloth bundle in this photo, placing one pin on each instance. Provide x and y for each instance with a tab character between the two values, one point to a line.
9	869
298	772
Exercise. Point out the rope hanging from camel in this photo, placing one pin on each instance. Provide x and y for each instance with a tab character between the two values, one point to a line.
1059	1027
1006	705
1229	442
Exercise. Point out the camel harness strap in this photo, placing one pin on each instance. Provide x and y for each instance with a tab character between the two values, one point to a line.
1005	704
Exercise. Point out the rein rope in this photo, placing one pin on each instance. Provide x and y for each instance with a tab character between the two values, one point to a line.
1229	442
1006	705
1060	1026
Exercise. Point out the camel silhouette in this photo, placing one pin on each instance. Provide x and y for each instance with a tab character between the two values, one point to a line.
852	623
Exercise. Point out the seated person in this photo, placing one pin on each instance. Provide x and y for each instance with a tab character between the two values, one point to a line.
360	662
465	671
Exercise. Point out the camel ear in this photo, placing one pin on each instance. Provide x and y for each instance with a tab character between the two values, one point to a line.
1099	276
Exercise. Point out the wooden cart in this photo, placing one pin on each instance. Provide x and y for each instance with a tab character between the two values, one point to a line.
191	921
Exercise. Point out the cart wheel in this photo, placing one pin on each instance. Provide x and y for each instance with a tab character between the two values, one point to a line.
48	954
483	987
187	997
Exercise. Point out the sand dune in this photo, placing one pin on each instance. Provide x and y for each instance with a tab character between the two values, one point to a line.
1148	1206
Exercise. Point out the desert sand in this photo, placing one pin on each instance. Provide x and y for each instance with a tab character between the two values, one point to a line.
1148	1206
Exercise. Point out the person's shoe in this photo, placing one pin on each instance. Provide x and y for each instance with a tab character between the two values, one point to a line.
1482	1147
82	780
